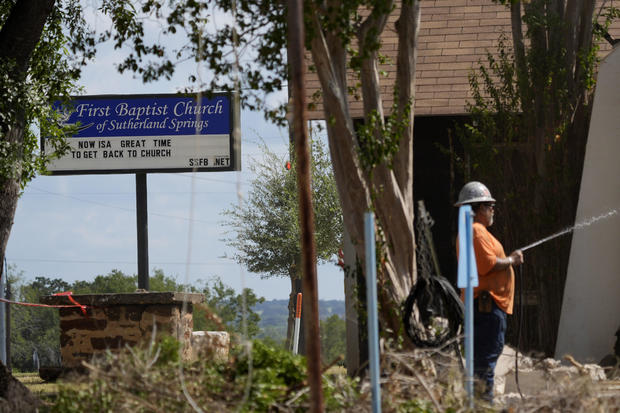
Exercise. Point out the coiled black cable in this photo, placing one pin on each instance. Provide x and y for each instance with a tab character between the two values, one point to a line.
433	312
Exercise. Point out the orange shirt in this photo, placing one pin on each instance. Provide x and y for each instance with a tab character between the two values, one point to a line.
500	284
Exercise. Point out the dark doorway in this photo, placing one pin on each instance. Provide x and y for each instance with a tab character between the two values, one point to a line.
437	181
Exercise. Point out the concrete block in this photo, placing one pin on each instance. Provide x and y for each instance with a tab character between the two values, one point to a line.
211	344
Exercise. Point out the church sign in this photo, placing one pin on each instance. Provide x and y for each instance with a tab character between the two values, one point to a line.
148	133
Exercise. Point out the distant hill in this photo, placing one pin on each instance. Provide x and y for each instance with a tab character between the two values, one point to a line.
274	313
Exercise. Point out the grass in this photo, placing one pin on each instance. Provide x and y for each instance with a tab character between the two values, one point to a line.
36	385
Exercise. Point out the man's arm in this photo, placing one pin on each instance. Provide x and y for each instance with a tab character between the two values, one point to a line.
515	258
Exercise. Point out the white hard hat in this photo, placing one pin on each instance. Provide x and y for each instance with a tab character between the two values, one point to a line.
474	192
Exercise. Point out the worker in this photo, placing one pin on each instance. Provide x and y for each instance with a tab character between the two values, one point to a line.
494	295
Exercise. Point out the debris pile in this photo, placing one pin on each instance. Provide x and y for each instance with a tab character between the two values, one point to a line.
546	383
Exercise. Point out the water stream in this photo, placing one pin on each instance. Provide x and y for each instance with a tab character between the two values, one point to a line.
579	225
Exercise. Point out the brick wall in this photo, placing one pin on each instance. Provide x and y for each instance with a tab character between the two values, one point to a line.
454	35
115	320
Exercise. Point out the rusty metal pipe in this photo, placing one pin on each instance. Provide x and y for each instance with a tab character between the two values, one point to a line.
306	215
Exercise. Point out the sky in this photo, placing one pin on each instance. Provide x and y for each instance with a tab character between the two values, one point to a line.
79	226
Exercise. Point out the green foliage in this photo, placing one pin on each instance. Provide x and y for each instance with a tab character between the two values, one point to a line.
495	110
114	282
379	139
258	32
27	95
91	398
224	309
34	328
118	282
266	227
158	281
257	378
333	339
274	372
529	121
168	350
255	38
416	406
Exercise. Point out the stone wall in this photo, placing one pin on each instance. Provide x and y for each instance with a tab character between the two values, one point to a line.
115	320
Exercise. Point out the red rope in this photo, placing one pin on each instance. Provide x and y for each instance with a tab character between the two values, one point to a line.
67	294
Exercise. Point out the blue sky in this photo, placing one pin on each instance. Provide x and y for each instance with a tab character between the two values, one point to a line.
77	227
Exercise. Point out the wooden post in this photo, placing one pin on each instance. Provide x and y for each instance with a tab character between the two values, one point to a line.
302	149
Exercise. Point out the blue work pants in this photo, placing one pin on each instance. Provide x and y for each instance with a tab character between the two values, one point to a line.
489	338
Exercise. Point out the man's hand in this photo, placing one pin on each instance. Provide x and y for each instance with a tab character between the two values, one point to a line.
516	257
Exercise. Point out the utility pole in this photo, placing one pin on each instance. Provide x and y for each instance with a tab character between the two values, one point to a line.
302	149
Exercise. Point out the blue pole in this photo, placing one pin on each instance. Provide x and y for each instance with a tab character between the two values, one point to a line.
468	279
469	342
371	300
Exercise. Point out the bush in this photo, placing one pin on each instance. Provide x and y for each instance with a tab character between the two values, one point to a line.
266	379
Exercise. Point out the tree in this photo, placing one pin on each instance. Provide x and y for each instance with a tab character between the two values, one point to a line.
114	282
531	112
39	65
35	329
333	339
266	227
372	166
225	309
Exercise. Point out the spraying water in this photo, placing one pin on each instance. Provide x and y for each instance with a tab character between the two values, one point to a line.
579	225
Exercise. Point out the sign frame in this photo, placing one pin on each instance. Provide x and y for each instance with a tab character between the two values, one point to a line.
234	140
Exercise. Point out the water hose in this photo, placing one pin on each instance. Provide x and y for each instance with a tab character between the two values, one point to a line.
519	327
433	312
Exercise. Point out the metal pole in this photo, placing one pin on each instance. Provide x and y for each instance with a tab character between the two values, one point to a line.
297	324
306	216
142	231
468	279
371	301
469	342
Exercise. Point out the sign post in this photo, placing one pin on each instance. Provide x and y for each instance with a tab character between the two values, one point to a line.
373	318
468	279
142	231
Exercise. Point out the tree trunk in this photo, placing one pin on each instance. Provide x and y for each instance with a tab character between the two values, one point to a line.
330	62
9	193
18	38
290	319
519	52
389	187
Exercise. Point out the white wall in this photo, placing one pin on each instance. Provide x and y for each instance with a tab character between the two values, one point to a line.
591	306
